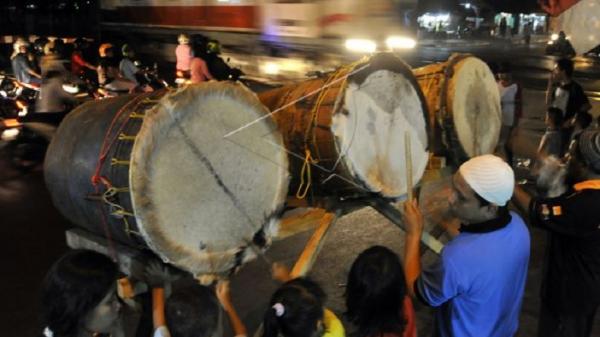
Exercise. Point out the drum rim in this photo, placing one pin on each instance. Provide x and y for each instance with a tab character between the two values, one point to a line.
145	218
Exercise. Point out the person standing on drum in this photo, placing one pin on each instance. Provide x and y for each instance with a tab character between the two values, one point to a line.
571	280
477	284
511	105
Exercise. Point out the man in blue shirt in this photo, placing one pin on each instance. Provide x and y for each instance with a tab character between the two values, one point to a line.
478	282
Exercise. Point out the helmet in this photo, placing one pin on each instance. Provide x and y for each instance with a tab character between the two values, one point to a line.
213	47
19	43
183	39
104	49
126	50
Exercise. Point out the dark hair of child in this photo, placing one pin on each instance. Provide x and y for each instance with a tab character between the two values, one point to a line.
555	115
295	310
192	311
73	286
375	293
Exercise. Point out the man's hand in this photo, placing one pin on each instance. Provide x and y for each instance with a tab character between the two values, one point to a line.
413	219
157	275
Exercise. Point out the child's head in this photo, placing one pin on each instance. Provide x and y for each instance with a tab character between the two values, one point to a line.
193	311
554	117
295	310
375	292
79	292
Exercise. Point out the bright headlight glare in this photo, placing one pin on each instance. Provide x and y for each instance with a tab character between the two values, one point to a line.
554	37
361	45
71	89
270	68
400	42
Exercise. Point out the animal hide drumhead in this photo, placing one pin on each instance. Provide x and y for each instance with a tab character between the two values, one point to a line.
370	131
200	199
475	101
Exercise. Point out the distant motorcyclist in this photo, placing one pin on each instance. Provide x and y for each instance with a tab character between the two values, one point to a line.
21	66
184	56
79	66
53	98
199	71
127	65
108	71
561	46
52	61
217	66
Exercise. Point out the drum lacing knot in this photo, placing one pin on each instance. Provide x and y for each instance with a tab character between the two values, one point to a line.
305	172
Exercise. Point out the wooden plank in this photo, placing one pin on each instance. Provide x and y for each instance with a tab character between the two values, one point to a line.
314	245
298	221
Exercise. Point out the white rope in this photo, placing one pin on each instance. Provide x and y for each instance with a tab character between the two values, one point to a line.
247	125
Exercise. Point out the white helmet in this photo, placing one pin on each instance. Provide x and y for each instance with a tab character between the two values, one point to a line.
183	39
18	44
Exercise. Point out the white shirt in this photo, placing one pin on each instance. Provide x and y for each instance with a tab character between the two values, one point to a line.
561	99
508	103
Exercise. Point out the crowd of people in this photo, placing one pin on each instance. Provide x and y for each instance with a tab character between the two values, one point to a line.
476	286
48	64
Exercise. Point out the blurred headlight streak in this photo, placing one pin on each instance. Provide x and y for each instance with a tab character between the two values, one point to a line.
400	42
361	45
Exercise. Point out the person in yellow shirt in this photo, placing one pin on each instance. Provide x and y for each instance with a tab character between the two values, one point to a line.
297	309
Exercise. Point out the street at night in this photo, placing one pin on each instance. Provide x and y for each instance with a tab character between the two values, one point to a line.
204	134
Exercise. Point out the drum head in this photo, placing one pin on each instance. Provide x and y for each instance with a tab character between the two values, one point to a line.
475	101
201	198
371	126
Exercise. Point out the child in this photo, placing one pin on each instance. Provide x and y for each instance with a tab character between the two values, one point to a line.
192	310
552	140
376	298
296	310
184	56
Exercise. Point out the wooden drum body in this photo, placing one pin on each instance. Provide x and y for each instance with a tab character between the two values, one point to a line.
464	106
349	129
154	171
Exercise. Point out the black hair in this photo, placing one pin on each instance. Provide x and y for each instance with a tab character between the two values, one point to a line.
302	300
375	293
75	285
566	65
192	311
555	115
584	119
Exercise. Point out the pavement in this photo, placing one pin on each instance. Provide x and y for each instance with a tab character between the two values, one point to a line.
32	237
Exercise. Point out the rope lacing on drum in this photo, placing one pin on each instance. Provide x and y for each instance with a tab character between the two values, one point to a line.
305	172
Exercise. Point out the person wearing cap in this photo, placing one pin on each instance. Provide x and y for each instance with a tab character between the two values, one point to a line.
571	281
477	284
184	56
127	65
21	67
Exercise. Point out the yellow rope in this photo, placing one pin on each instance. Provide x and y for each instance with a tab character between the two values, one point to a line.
137	115
115	161
306	171
123	136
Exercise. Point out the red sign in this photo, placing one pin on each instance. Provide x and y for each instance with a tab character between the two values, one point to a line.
556	7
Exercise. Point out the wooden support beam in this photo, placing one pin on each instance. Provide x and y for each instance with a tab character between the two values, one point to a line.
314	244
298	221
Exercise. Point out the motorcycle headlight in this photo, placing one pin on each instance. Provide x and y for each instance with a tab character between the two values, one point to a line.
71	89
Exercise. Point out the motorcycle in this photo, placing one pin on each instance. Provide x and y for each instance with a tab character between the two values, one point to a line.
17	97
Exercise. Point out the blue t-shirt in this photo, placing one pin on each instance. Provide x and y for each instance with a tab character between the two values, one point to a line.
478	282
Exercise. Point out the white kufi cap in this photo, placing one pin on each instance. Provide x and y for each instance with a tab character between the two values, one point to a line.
490	177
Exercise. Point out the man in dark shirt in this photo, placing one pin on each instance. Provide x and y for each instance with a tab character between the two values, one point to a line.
571	283
564	93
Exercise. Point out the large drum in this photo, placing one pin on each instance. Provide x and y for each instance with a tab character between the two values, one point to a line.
464	106
154	171
349	129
